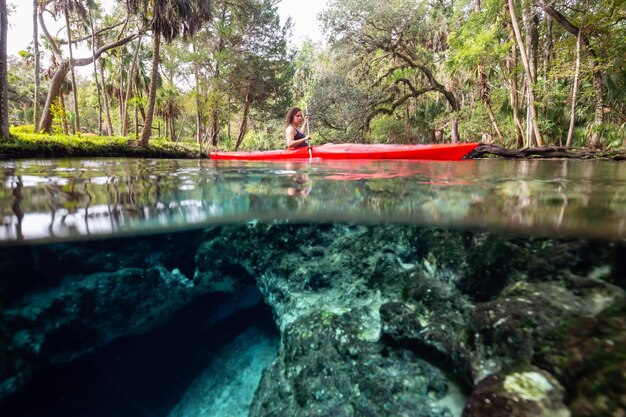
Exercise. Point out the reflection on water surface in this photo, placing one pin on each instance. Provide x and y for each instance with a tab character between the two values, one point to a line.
58	199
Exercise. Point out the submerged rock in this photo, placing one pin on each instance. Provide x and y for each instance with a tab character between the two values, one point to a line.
74	298
530	393
361	309
325	369
589	356
88	312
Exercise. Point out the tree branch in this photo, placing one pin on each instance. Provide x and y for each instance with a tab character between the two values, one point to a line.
86	61
88	37
414	92
53	45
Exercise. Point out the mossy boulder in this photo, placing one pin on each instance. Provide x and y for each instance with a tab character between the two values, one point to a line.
589	356
325	369
527	393
511	326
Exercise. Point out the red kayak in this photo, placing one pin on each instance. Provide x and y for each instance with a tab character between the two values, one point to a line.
444	152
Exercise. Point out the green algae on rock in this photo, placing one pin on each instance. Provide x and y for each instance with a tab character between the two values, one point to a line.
360	310
530	393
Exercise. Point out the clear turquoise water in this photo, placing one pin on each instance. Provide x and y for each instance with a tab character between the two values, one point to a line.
48	200
217	343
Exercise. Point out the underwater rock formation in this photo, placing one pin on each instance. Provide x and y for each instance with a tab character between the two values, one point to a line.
70	299
534	393
442	295
589	357
371	317
325	368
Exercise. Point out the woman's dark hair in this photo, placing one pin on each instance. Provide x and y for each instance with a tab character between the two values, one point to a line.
291	113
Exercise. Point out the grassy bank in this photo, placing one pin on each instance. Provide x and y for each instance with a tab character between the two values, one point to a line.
25	144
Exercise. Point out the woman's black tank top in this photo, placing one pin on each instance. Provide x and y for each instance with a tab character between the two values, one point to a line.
299	135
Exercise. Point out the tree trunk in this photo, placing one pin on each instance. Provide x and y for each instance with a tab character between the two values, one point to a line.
530	21
455	128
63	68
485	96
570	132
215	126
129	84
244	120
198	122
549	44
147	127
485	90
196	73
120	97
532	35
215	121
45	124
527	70
4	87
598	89
142	110
136	106
511	64
76	126
105	96
172	129
37	70
95	71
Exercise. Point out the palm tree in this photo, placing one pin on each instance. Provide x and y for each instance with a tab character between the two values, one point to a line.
169	109
66	87
169	18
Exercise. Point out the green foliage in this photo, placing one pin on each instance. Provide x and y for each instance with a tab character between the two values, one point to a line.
271	136
16	130
305	60
59	117
356	86
339	104
477	42
390	129
26	144
613	136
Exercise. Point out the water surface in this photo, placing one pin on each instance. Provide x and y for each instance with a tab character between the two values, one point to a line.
43	200
257	319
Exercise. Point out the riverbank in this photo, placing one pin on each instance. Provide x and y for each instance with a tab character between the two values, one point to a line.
24	144
35	145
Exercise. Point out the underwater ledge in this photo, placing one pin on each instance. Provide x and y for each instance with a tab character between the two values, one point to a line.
373	320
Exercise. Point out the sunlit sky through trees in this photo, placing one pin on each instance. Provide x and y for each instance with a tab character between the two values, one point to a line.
303	13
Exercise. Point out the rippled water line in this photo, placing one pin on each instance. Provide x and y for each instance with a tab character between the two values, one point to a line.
47	200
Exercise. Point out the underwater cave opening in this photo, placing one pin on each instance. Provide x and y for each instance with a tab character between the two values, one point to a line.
147	374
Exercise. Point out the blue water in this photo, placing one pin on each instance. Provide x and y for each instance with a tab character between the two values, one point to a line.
166	287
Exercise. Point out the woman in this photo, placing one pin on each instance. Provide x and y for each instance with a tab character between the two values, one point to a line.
295	137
